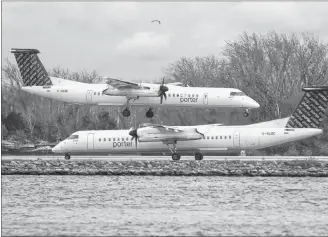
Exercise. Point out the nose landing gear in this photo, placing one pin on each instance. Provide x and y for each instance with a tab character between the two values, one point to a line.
67	156
246	113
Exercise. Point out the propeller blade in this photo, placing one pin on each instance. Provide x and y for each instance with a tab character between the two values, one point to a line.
164	95
161	99
136	144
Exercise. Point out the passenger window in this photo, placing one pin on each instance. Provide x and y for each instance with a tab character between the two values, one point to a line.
95	93
208	137
122	139
212	137
220	137
113	139
104	139
196	95
98	93
177	95
173	95
216	137
192	95
229	137
118	139
100	139
188	95
109	139
169	95
225	137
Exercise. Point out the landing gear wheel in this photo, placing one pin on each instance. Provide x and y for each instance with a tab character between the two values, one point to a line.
176	156
126	112
67	156
198	156
246	113
150	113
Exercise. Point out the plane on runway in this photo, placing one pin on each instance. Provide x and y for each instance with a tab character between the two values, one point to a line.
305	122
123	93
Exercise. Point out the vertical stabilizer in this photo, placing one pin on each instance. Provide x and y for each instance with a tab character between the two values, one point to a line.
30	67
310	111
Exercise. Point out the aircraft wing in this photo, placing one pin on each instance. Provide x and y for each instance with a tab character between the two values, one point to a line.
119	84
161	127
176	84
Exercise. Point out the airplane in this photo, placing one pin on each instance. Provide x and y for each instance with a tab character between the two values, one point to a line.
123	93
304	122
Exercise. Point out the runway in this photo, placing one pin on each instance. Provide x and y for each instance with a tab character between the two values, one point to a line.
152	158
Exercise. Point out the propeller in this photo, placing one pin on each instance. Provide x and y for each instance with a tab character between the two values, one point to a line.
134	135
162	90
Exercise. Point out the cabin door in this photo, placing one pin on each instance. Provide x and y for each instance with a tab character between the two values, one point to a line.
205	98
90	142
89	96
236	139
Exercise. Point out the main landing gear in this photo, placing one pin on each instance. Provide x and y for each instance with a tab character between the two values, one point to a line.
175	155
150	113
67	156
246	113
198	156
127	112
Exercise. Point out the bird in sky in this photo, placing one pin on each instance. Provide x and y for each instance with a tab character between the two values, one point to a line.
159	22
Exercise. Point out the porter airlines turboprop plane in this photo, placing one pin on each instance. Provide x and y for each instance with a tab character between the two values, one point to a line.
123	93
304	122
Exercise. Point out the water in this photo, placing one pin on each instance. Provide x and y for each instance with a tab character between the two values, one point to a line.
131	205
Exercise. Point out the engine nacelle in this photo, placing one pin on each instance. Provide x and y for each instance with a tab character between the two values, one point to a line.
147	134
131	92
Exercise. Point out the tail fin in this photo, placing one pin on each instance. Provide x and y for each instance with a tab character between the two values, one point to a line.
310	111
31	68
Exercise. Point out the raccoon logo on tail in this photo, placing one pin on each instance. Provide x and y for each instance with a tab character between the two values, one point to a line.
30	67
310	111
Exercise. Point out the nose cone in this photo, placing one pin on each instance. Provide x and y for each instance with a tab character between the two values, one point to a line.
252	104
57	148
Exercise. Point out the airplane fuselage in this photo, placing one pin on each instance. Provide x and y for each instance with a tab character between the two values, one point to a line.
92	94
217	138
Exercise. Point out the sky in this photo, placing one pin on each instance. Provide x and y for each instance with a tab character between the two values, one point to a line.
117	39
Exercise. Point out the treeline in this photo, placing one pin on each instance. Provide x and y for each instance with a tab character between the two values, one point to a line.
271	68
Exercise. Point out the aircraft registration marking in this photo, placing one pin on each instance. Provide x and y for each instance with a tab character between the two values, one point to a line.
269	133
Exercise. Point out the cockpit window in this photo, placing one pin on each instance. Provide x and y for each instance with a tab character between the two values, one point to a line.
73	137
237	93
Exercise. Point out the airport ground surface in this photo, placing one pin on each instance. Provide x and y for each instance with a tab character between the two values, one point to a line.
156	158
164	166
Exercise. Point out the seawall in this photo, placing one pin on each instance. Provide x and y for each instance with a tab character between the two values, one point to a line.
293	168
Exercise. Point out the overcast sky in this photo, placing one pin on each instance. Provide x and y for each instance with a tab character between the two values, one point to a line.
119	40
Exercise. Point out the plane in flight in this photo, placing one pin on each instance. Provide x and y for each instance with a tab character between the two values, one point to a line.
123	93
304	122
